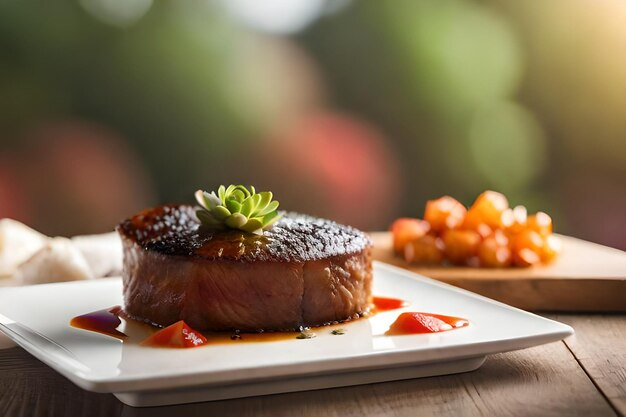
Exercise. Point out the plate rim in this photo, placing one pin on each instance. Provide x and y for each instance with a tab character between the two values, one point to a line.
363	361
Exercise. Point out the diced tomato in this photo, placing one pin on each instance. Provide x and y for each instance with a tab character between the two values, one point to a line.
405	230
488	208
551	248
177	335
444	213
488	234
527	239
415	323
515	220
460	245
540	223
483	230
500	237
426	250
526	247
525	257
494	252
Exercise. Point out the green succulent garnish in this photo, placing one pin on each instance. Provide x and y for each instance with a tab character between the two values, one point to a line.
237	207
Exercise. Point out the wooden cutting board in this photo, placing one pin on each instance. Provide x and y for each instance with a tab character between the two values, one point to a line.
585	277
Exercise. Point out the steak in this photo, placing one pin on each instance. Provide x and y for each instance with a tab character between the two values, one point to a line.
302	272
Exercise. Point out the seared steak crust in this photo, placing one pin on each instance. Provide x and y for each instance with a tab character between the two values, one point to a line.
303	272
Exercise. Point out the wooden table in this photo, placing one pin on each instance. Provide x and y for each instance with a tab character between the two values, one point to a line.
585	375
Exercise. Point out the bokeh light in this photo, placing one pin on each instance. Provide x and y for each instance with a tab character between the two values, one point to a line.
461	54
117	12
357	111
508	146
276	16
335	166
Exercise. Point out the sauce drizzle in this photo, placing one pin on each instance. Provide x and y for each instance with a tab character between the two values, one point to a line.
387	303
180	335
102	321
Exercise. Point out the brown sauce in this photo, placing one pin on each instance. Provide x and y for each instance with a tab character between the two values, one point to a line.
179	335
107	321
102	321
308	333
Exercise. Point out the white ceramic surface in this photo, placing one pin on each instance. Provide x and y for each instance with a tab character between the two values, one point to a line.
153	376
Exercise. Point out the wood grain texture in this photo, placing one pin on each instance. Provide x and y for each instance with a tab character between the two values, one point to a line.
546	381
28	387
586	277
600	346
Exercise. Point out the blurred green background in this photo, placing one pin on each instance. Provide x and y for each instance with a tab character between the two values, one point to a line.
358	111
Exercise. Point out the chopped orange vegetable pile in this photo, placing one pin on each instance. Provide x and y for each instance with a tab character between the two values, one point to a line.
489	234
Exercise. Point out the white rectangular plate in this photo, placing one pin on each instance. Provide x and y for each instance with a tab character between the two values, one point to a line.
142	376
